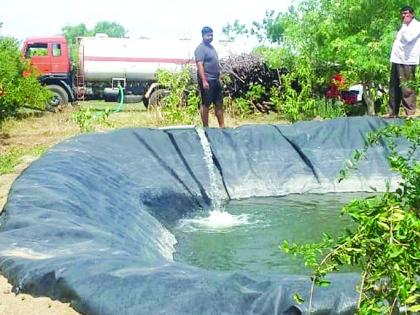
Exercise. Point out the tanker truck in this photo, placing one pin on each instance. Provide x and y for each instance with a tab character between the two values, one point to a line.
105	64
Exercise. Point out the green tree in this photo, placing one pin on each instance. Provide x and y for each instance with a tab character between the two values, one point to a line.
73	32
353	37
112	29
18	85
232	30
180	101
269	28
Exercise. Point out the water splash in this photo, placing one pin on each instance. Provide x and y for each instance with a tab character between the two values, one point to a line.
215	193
218	218
216	221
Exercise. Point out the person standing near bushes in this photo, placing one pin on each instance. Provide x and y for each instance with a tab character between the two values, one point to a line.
208	75
404	59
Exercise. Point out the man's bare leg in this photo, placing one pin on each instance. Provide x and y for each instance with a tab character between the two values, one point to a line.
219	114
204	111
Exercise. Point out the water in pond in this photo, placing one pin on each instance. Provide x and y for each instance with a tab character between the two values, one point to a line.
247	235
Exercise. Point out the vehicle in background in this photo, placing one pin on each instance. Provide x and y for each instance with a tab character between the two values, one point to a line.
50	58
105	64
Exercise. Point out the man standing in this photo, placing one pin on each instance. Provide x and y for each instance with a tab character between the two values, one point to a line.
208	73
404	59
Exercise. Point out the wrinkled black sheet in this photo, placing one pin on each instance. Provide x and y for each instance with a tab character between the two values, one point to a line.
89	223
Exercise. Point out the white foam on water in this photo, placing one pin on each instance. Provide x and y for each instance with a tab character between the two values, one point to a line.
216	221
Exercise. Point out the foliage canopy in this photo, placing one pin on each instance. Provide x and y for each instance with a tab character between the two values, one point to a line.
18	84
353	37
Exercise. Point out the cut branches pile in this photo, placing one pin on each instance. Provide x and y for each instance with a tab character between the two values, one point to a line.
247	76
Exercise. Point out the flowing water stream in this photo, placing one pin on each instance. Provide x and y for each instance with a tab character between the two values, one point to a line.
218	217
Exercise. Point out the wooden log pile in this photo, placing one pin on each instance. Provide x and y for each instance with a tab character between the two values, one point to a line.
244	71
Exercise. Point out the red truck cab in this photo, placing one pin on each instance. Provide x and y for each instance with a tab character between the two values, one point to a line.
50	58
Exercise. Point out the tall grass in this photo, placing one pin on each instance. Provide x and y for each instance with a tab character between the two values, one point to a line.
12	157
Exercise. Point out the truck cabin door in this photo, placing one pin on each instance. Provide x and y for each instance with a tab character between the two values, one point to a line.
39	56
59	60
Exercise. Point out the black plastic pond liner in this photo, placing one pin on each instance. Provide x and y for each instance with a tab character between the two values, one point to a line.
90	222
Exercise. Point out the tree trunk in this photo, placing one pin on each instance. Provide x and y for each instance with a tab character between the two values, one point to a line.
369	100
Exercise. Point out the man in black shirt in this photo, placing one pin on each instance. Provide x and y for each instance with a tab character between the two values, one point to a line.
208	73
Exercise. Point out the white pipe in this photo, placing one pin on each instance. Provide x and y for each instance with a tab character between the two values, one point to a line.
177	127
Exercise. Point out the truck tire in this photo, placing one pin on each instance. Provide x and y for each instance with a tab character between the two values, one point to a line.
157	98
131	98
60	97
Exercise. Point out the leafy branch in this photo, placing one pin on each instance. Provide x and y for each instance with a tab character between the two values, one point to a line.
181	103
385	242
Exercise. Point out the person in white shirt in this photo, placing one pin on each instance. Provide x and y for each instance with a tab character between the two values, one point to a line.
404	59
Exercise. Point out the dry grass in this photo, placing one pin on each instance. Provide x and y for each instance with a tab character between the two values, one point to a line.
46	129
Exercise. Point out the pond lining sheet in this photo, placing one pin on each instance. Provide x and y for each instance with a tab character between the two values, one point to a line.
89	223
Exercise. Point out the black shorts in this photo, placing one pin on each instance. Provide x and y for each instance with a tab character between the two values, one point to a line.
213	95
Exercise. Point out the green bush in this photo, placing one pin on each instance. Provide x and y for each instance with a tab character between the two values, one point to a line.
87	119
385	242
327	109
182	102
18	84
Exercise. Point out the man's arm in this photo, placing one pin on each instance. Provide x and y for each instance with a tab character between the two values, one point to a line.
410	32
200	69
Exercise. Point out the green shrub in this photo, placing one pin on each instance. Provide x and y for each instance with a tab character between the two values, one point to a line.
18	84
241	107
385	242
296	101
182	102
87	118
327	109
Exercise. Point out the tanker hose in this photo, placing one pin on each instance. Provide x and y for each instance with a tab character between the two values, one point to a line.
119	107
121	104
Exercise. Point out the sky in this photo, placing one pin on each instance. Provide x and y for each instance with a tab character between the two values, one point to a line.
155	18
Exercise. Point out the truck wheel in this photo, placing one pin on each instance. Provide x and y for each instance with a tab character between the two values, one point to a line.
157	98
129	99
60	97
